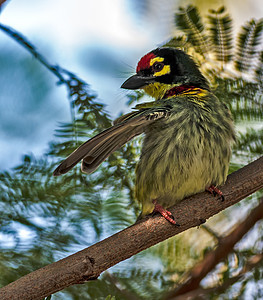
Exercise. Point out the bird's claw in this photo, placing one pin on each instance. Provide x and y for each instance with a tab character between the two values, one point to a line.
165	213
215	191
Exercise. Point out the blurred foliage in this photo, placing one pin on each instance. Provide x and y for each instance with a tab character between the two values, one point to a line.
220	34
248	40
44	218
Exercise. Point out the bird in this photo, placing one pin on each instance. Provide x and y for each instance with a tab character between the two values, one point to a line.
188	134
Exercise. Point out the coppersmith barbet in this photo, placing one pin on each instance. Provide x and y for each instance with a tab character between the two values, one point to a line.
188	133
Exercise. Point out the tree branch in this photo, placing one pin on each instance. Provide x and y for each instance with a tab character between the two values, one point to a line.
200	293
1	2
19	38
89	263
212	258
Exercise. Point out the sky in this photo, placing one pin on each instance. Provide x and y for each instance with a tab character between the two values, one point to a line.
101	41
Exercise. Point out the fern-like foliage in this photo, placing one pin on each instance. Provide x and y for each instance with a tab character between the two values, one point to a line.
247	42
214	52
250	143
189	21
259	70
66	213
145	284
242	97
221	37
83	102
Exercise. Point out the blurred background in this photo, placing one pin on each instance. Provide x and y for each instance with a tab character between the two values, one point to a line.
101	41
44	219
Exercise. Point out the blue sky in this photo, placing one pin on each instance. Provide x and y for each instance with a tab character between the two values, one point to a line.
100	40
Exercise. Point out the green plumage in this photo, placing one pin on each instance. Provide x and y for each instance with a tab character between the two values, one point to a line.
185	153
188	133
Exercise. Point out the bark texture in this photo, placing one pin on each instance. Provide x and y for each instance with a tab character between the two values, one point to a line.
89	263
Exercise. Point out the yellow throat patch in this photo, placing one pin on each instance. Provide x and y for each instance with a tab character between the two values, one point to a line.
157	90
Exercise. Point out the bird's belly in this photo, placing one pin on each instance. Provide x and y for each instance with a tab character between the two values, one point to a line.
172	168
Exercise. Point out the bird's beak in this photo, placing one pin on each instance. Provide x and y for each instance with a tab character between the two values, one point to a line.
137	82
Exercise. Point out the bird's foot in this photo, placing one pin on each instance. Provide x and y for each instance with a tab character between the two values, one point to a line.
165	213
215	191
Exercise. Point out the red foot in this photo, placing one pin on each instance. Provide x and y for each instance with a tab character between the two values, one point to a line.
215	191
165	213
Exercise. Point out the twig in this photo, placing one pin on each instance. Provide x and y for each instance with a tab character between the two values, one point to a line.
89	263
18	37
1	2
211	259
201	293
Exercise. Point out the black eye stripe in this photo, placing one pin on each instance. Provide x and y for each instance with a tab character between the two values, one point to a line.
156	67
145	72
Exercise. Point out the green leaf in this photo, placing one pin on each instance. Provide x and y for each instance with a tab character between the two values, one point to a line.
250	142
247	43
243	98
189	21
259	70
220	33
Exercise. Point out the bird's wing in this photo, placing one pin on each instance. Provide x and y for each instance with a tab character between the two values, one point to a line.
97	149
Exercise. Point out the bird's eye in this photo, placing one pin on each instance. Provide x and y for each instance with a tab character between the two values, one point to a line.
157	66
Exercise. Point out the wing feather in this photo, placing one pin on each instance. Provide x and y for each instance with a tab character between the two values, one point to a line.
97	149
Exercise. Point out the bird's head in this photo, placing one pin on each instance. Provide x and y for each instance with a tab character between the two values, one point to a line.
164	69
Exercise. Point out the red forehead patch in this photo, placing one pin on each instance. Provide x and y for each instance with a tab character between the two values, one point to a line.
144	62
